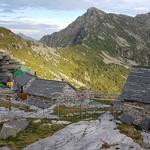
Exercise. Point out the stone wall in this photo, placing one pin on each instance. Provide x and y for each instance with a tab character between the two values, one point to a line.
7	67
69	91
139	112
68	95
41	102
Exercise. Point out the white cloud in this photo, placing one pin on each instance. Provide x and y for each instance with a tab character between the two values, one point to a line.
31	27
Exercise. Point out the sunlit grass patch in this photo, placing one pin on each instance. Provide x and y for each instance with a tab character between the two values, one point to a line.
106	102
130	131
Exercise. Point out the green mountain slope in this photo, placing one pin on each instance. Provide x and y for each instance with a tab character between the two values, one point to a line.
79	65
89	67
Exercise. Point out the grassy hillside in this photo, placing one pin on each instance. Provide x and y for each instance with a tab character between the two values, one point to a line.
79	65
9	41
87	66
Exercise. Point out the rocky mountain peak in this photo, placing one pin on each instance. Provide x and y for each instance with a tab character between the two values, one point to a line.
94	10
119	35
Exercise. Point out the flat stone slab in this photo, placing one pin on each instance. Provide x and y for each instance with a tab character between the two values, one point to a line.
87	135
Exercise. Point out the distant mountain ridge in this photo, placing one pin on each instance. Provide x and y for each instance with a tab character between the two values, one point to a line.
25	37
119	35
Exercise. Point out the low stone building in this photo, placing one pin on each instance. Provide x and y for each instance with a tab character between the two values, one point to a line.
44	93
22	81
134	101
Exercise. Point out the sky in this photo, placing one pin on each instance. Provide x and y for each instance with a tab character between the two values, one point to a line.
36	18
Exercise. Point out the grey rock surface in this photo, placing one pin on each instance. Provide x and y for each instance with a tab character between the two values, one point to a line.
146	139
126	118
7	131
145	124
87	135
126	36
10	129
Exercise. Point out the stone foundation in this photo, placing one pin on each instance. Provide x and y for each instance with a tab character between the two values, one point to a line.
140	112
40	102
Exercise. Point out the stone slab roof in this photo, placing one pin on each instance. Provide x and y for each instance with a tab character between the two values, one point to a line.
46	88
24	79
137	86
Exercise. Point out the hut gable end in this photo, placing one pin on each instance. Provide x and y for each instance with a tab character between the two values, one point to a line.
137	86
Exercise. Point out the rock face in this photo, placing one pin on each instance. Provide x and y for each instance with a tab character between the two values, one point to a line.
145	124
86	135
10	129
7	131
119	35
134	113
126	118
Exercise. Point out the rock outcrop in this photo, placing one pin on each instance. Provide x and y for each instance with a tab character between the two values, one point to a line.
10	129
119	35
87	135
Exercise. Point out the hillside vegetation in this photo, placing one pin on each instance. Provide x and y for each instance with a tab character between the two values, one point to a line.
79	65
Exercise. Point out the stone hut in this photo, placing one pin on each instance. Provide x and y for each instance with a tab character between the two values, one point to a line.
134	101
44	93
22	81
